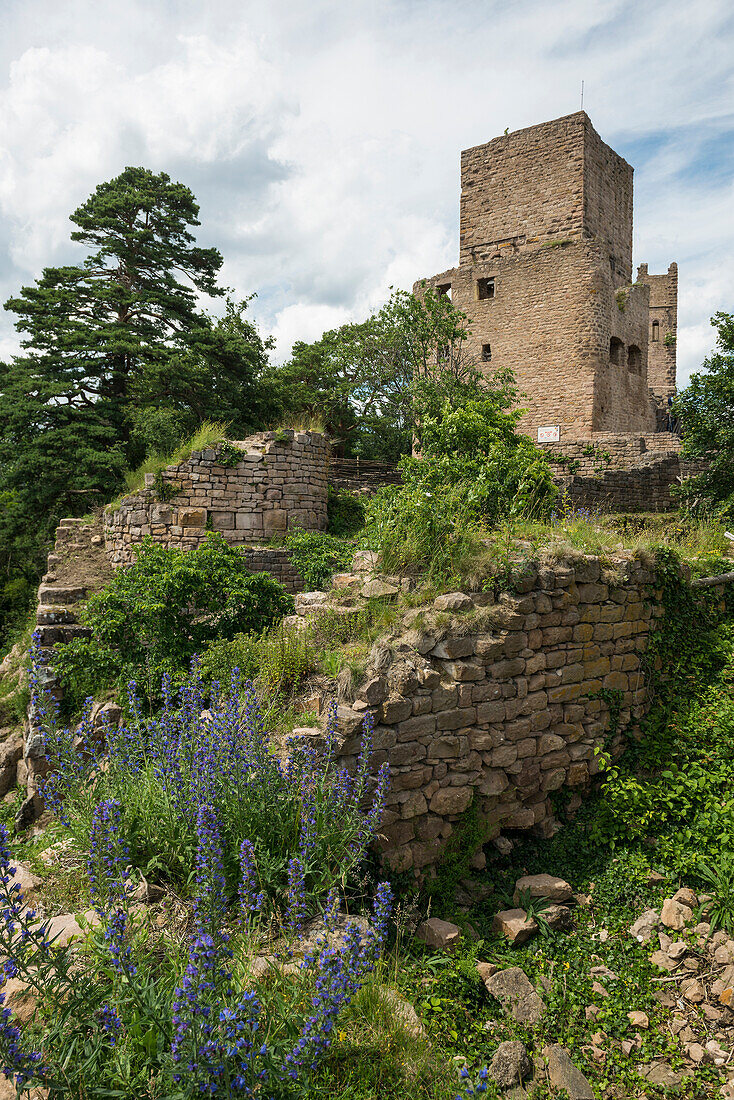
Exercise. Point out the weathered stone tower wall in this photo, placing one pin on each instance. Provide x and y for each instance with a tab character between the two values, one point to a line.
545	275
661	356
249	491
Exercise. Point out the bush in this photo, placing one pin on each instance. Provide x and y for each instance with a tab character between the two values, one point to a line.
346	513
127	1015
156	614
473	472
317	556
162	770
278	661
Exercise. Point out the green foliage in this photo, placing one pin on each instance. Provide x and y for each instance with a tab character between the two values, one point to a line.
706	409
117	363
156	614
673	787
317	556
474	471
278	661
346	513
362	379
719	912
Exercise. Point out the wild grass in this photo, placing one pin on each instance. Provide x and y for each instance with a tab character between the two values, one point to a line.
209	433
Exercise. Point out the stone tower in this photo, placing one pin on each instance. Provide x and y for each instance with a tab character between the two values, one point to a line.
661	356
545	275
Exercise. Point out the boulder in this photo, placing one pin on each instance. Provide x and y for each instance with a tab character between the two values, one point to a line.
441	934
403	1012
675	914
453	601
510	1065
543	886
25	878
517	995
514	925
364	561
645	925
378	589
686	896
564	1074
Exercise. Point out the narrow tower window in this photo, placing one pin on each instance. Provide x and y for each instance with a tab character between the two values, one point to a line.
486	353
485	288
656	330
616	350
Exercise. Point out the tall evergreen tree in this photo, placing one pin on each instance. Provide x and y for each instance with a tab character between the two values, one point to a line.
118	358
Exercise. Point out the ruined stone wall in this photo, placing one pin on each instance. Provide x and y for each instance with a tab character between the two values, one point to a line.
501	705
279	483
661	363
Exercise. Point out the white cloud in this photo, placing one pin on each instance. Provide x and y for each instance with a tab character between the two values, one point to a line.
322	139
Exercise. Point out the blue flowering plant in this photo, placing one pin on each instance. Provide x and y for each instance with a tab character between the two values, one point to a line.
294	823
116	1018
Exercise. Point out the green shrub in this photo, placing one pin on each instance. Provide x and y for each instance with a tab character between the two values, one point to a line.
317	556
474	471
278	661
346	513
156	614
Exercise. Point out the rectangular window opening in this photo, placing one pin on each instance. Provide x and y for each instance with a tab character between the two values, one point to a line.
444	289
485	288
486	353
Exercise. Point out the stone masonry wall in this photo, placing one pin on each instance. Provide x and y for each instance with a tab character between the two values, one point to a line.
501	705
280	482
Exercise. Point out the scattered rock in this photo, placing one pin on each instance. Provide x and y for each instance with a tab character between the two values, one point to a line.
564	1074
693	990
591	1011
663	961
453	601
686	897
514	925
558	917
598	988
403	1011
675	914
510	1065
697	1053
645	925
677	950
25	878
517	995
378	589
638	1019
20	999
364	561
659	1073
486	970
441	934
503	844
543	886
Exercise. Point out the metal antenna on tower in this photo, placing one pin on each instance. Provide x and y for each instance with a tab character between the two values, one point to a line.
582	95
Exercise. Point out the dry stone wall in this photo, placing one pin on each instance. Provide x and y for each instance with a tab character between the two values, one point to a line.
499	703
278	483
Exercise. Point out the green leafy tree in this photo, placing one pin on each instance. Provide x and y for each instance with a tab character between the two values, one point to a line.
363	378
118	360
474	470
706	410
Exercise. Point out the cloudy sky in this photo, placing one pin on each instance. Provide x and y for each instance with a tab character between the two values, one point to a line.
322	137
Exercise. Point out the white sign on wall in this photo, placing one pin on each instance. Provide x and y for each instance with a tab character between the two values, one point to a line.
550	434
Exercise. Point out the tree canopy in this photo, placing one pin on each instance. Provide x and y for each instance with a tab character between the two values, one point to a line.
706	409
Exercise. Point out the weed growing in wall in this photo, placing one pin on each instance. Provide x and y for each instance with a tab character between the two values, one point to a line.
317	556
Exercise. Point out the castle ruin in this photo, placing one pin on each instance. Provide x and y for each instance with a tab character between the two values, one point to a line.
545	276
